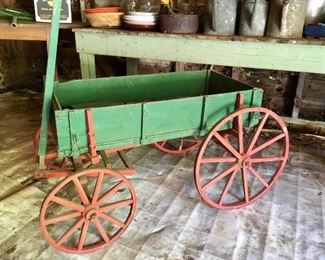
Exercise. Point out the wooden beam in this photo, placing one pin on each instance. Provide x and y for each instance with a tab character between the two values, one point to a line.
305	126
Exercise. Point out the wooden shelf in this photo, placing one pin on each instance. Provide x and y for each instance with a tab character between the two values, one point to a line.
299	55
30	31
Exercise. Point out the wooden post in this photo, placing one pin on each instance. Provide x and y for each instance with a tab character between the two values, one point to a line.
88	66
299	90
235	73
132	66
180	66
84	4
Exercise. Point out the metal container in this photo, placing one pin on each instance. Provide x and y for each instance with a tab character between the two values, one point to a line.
315	12
221	17
287	18
179	23
253	17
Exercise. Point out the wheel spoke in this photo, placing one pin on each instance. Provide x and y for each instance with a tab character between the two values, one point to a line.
227	187
115	205
218	160
181	143
112	220
268	143
258	176
240	134
67	203
83	234
70	232
81	192
266	159
62	218
111	192
98	186
101	231
226	144
257	133
220	176
163	143
245	184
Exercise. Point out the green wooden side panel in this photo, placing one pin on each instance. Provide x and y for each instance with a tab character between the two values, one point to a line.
168	119
145	109
62	125
114	126
130	89
219	105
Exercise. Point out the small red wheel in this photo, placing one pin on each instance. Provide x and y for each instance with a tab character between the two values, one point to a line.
75	219
234	172
178	146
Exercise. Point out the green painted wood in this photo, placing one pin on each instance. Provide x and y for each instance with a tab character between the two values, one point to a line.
144	109
87	65
225	103
114	126
300	56
223	94
130	89
49	82
176	117
132	66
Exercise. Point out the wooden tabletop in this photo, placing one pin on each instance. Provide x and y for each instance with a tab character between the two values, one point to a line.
311	41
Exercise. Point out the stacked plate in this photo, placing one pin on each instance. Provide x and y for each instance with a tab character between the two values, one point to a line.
141	21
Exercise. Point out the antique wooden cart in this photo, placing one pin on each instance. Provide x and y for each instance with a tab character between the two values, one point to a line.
238	160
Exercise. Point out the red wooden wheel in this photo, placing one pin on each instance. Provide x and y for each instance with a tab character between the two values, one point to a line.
75	219
178	146
234	172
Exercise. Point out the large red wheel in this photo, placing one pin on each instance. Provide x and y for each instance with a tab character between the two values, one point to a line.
234	172
178	146
75	219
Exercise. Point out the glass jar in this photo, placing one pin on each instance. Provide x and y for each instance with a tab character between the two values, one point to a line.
151	6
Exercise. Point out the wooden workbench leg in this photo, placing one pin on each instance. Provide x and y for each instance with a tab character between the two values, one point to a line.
132	66
179	66
88	66
235	73
299	90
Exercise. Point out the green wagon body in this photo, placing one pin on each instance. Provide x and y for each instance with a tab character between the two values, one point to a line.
138	110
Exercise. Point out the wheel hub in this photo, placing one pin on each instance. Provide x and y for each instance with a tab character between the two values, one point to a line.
91	213
244	161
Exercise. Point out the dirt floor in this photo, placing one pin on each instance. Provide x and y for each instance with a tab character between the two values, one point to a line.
171	222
